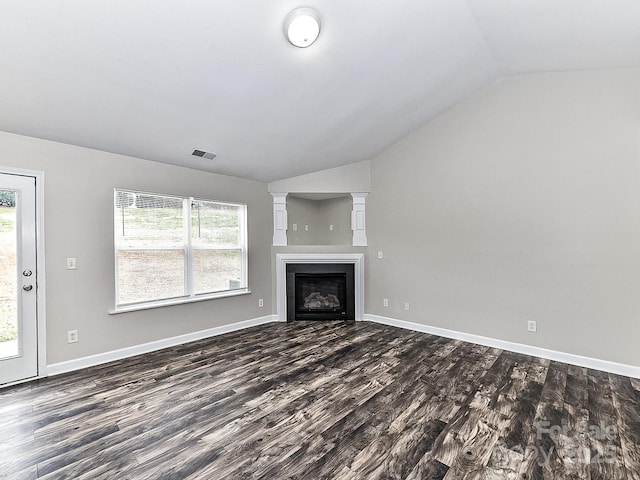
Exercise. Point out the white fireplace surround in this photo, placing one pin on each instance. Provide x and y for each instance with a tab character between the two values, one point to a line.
282	259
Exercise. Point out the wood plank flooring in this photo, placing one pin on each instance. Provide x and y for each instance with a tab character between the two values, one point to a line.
324	400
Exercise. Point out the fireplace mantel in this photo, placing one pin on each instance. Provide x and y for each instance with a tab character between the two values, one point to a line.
282	259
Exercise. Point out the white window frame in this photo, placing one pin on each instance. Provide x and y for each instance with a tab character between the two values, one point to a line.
190	295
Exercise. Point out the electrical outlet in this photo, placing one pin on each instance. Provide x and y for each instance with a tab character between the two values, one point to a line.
532	326
294	226
380	254
72	263
260	302
385	302
331	228
306	228
72	336
406	305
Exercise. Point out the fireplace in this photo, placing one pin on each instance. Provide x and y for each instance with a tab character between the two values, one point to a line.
320	291
284	260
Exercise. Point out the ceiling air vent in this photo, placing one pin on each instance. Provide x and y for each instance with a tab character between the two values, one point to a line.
203	154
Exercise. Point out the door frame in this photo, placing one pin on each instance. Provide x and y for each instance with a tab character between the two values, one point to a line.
40	266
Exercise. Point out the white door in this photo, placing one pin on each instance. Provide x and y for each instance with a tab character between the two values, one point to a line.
18	279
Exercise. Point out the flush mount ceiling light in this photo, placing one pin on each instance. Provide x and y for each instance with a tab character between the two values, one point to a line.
302	26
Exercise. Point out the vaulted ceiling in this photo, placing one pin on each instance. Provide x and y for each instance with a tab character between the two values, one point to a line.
156	79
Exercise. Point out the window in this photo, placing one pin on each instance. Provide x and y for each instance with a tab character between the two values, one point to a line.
170	249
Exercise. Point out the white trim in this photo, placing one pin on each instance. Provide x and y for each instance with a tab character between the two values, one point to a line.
280	221
100	358
358	223
187	263
40	265
588	362
282	259
134	307
41	298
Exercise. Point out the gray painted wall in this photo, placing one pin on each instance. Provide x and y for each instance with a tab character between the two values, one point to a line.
319	215
336	212
79	186
522	203
519	204
301	212
346	179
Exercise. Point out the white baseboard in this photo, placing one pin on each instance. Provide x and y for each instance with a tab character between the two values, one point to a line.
593	363
100	358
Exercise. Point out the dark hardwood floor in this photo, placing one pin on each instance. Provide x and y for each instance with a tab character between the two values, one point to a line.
324	400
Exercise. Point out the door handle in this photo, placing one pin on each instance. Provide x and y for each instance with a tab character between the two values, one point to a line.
27	288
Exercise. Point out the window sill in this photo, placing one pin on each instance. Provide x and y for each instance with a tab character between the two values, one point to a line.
178	301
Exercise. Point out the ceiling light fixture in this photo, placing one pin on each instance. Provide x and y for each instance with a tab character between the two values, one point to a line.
302	26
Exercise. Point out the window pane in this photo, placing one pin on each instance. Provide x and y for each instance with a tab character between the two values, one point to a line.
144	220
152	246
217	270
215	224
150	275
8	283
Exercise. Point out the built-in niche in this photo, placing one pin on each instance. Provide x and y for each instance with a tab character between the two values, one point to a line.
319	219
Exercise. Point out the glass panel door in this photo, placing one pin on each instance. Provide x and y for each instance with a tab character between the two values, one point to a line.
18	279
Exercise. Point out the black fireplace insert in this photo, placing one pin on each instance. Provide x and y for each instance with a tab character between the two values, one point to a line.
320	291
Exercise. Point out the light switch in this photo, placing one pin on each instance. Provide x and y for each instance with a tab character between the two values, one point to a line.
71	263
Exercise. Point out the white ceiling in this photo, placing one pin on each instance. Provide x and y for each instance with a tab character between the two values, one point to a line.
157	78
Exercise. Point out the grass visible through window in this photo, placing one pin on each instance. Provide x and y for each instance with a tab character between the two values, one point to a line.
8	305
160	256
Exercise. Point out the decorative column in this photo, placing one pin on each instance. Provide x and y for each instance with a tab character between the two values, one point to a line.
279	219
358	220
